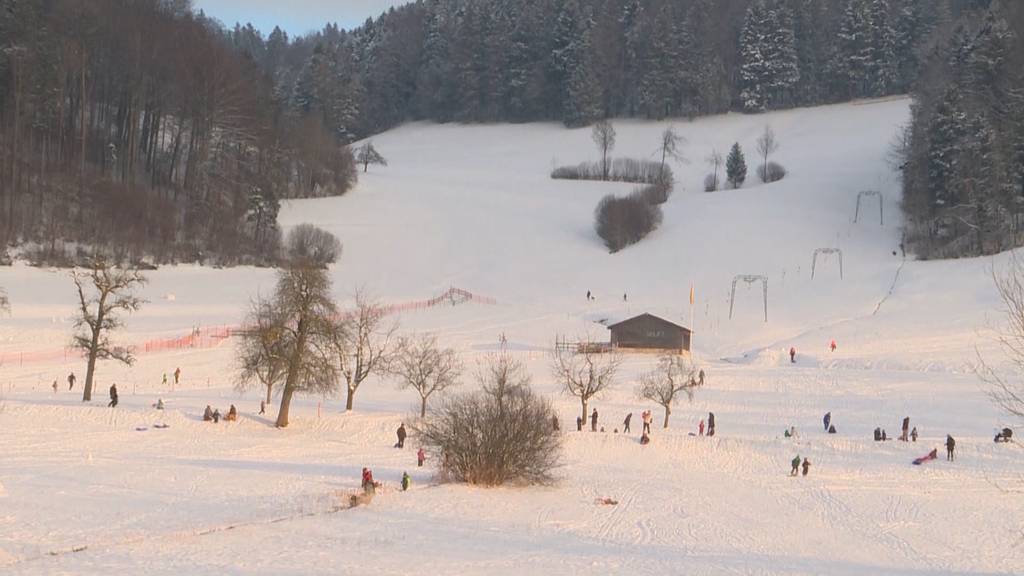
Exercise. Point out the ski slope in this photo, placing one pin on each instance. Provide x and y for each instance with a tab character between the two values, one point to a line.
83	492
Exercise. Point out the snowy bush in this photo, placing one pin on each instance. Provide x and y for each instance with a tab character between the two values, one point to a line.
621	170
621	222
655	193
500	434
772	172
310	245
710	183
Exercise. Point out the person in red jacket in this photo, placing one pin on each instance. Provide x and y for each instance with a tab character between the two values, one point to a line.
832	346
368	485
421	456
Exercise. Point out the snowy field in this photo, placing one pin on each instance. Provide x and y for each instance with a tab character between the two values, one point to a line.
83	492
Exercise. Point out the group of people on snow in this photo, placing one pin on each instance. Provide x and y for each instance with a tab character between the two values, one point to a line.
211	415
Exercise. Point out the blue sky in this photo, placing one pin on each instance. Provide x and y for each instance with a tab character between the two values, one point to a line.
294	16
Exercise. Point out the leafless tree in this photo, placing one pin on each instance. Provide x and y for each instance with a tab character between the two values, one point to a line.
425	367
308	245
674	374
499	434
367	154
301	315
715	160
603	135
363	344
586	372
1008	394
670	143
766	144
103	292
262	356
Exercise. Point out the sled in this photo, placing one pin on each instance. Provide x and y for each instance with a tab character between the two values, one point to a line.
141	428
606	501
161	426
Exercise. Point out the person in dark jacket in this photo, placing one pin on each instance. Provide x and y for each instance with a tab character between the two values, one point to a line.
884	437
625	423
827	420
807	466
950	446
913	434
208	414
401	436
71	381
216	416
113	396
593	421
878	434
796	466
711	423
579	424
905	429
792	355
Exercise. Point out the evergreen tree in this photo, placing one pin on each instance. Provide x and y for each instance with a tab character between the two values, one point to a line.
882	63
736	167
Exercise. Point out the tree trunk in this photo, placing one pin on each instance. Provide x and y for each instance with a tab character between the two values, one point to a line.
351	396
668	411
90	368
423	407
286	402
583	401
270	390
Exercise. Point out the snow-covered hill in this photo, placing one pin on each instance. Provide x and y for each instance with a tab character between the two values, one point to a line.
473	207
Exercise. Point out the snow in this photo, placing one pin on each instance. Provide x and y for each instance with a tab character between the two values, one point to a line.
83	492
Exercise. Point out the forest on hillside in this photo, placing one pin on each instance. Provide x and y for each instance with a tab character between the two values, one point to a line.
142	127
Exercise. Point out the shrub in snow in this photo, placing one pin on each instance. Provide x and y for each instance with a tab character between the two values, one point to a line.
772	172
710	183
620	170
621	222
500	434
312	246
655	193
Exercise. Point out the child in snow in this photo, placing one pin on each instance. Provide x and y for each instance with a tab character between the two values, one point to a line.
807	466
796	466
113	396
792	355
625	423
263	406
401	436
913	434
826	420
700	428
579	424
593	421
950	446
208	414
832	346
232	414
368	485
216	416
406	481
160	404
420	457
177	375
878	434
165	380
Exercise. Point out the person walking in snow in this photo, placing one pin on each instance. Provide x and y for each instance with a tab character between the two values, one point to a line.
421	456
700	377
71	381
646	417
700	428
588	295
905	429
579	424
913	434
401	436
827	420
711	423
54	385
832	346
796	466
216	416
164	382
177	375
263	406
950	446
113	396
807	466
406	481
593	421
792	355
625	423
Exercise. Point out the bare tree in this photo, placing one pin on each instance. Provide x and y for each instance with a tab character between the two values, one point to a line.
363	345
670	143
308	245
766	144
673	375
499	434
1008	394
367	154
585	372
301	316
262	356
103	292
603	135
714	159
425	367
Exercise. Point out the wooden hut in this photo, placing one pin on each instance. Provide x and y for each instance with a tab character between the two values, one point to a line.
649	332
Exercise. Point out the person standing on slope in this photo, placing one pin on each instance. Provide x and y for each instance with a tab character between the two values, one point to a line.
113	396
700	428
792	355
796	466
827	420
832	345
401	436
406	481
177	375
711	423
807	466
913	434
647	419
421	456
625	423
950	446
71	381
593	421
579	424
905	429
